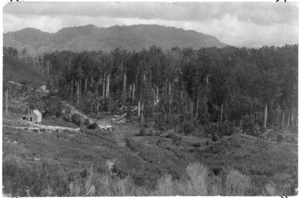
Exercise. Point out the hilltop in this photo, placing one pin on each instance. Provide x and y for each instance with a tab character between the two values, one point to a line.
90	37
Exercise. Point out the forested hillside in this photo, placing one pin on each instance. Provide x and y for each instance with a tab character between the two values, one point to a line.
17	68
206	85
168	110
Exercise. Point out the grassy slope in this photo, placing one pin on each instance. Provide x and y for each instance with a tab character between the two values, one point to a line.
146	161
75	151
264	161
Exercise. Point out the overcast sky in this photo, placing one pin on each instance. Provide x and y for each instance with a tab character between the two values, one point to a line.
239	24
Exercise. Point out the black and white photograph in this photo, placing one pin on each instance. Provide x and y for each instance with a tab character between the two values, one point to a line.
149	98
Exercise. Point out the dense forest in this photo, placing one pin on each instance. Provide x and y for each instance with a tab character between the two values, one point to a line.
233	85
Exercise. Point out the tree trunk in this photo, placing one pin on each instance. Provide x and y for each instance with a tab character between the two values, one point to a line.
80	88
197	106
107	85
124	83
288	121
92	81
6	98
42	72
48	72
207	79
191	107
181	94
156	93
139	108
251	109
133	91
103	86
292	120
77	91
85	84
170	97
283	118
142	114
221	115
265	116
71	87
130	91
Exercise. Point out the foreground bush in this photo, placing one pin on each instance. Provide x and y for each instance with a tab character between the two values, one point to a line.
237	184
187	128
250	127
22	179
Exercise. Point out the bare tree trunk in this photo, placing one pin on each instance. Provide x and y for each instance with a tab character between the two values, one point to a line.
130	91
77	91
107	85
283	119
251	109
139	108
80	88
6	98
154	100
191	107
170	97
42	66
142	114
92	81
265	116
133	91
292	120
156	93
197	106
48	72
103	86
288	121
222	108
85	84
181	94
124	83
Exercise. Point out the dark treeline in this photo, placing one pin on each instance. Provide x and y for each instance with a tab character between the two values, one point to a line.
207	85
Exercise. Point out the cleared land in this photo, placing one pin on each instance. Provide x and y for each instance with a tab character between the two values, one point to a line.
145	159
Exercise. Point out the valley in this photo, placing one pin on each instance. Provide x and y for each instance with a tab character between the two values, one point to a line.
151	120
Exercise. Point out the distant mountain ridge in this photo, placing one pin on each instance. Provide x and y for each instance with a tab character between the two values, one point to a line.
90	37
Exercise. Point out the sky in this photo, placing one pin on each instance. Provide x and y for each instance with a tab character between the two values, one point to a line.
241	24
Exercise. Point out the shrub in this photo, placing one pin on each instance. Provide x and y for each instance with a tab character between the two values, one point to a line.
165	186
214	137
133	145
22	179
93	126
197	179
76	119
225	128
249	127
237	184
129	114
200	131
279	137
58	114
270	190
143	132
87	122
188	128
67	117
